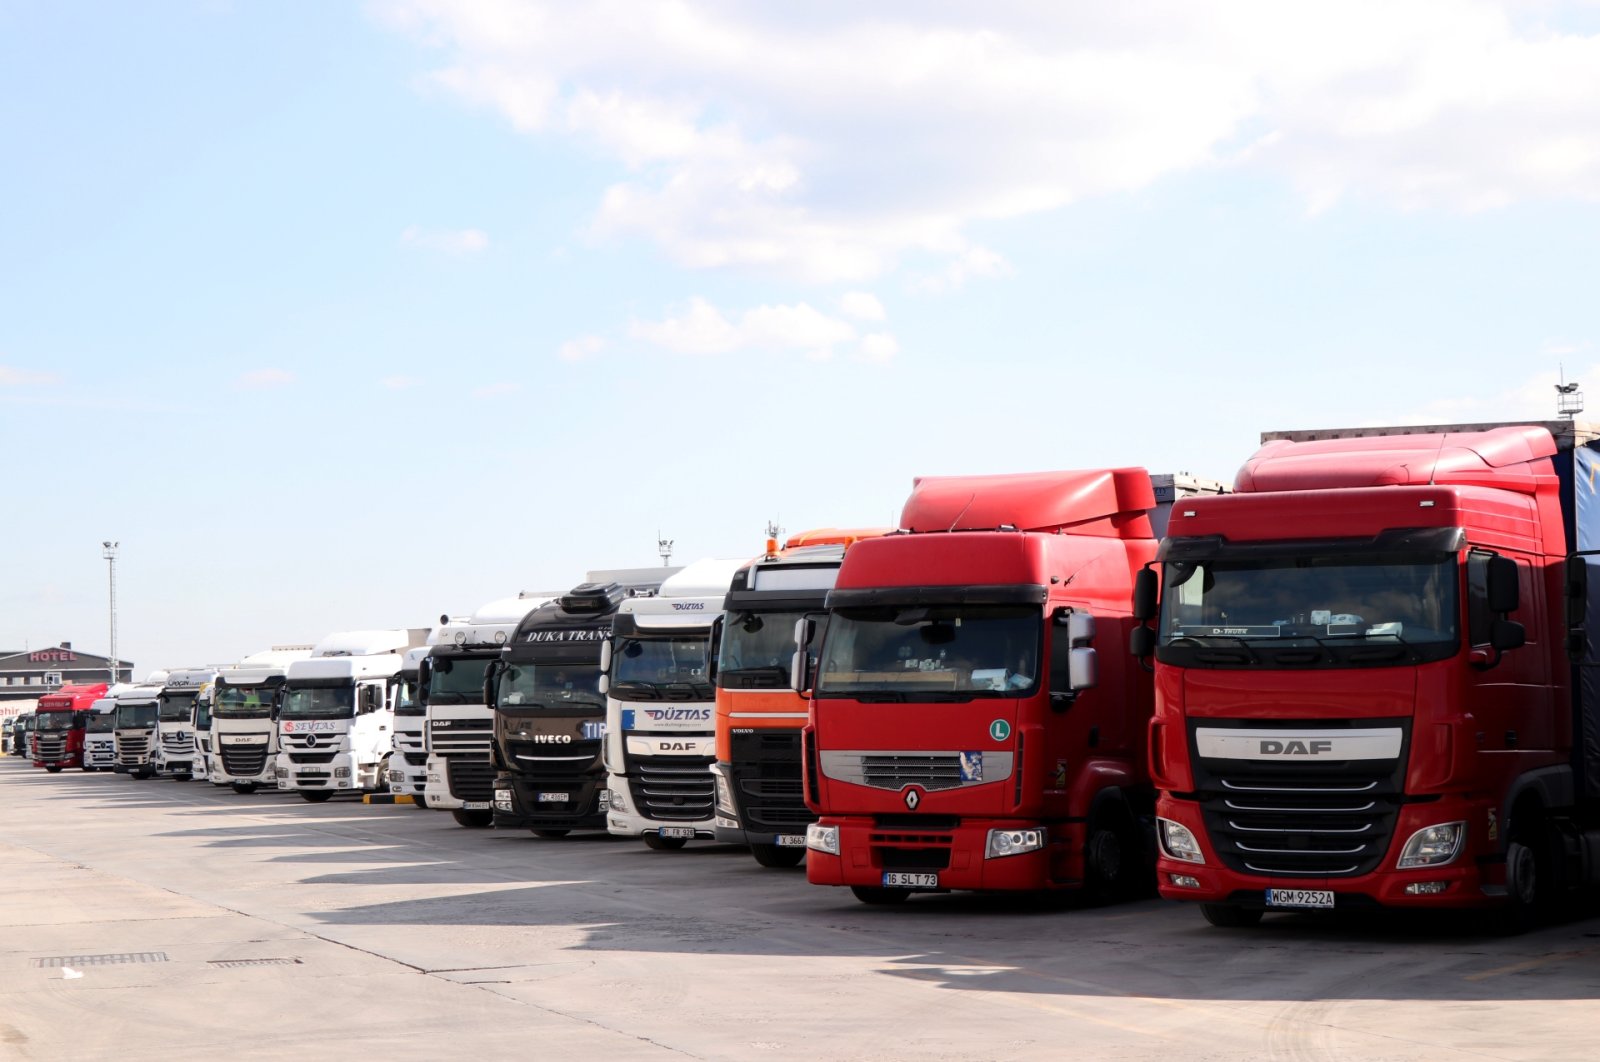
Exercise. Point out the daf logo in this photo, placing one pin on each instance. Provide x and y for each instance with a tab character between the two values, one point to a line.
676	746
552	739
311	741
1295	748
913	798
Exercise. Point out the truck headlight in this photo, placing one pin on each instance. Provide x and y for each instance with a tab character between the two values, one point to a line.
1433	846
823	839
280	772
341	772
502	800
616	802
1178	842
1014	842
724	794
605	800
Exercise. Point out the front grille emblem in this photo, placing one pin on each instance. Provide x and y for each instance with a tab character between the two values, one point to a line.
311	741
913	798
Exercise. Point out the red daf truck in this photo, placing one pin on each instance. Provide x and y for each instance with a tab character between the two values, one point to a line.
964	731
60	722
1378	675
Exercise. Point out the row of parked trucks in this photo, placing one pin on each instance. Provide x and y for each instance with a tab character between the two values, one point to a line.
1366	675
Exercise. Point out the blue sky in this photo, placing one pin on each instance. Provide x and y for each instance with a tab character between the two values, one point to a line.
346	315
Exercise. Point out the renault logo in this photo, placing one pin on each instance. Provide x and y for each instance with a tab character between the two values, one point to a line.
913	798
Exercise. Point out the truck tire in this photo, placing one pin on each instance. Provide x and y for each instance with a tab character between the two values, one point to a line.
143	772
1531	885
663	844
551	835
54	768
880	897
770	855
1227	916
183	778
473	819
244	788
419	801
316	796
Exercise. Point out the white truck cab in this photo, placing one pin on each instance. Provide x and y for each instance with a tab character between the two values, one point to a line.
176	753
100	737
660	737
461	770
337	715
244	717
408	767
134	732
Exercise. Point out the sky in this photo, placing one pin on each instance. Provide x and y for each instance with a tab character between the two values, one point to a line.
349	315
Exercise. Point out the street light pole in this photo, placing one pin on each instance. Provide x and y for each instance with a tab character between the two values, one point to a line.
110	555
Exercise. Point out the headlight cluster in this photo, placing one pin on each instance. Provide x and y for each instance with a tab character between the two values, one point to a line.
1433	846
823	839
1014	842
724	794
617	802
1178	842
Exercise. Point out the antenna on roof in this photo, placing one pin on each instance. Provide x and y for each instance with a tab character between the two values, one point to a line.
1569	400
1434	471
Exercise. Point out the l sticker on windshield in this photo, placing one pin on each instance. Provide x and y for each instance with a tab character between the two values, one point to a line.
999	729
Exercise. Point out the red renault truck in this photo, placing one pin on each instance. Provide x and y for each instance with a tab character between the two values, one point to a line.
1378	675
59	723
965	732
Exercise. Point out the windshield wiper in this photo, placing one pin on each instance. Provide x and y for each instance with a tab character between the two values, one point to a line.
876	696
1212	656
645	690
767	669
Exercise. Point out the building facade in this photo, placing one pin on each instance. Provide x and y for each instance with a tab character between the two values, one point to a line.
28	674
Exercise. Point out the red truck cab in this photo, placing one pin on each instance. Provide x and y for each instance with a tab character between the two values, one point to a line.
59	725
965	733
1374	677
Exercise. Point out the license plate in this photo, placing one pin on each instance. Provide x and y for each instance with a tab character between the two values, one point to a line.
1317	898
791	840
899	879
475	805
554	798
313	774
685	832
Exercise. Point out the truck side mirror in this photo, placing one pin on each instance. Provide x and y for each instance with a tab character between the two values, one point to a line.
491	681
1577	590
1507	634
1142	642
1145	594
800	677
714	649
604	685
424	680
1504	592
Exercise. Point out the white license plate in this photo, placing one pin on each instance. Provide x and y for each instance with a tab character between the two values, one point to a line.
685	832
313	774
554	798
475	805
899	879
1316	898
791	840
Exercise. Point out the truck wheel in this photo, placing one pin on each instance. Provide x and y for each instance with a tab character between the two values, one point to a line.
770	855
475	819
551	835
880	897
183	778
244	788
54	768
420	801
1227	916
1531	886
663	844
316	796
143	772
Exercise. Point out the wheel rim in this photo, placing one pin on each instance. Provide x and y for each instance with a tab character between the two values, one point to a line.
1524	875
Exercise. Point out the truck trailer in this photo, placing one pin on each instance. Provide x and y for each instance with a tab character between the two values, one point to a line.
1378	675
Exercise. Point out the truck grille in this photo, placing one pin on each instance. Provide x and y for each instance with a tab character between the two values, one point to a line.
463	737
244	760
766	781
179	744
410	742
673	788
470	779
53	747
133	751
573	761
1300	820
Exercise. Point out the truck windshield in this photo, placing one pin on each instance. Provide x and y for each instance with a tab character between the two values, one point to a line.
929	653
320	702
102	722
756	650
243	702
406	702
202	713
55	721
1350	609
136	716
457	679
175	707
550	686
648	669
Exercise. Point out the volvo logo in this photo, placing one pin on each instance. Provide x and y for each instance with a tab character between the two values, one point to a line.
913	798
1295	748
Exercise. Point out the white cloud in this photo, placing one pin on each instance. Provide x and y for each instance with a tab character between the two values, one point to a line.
448	241
833	142
10	377
700	328
862	305
496	390
879	346
581	349
264	379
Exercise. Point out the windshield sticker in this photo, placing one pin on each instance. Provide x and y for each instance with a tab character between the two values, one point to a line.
971	766
999	729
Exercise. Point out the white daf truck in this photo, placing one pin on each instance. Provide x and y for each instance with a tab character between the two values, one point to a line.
244	717
176	753
134	732
408	767
660	739
335	723
461	770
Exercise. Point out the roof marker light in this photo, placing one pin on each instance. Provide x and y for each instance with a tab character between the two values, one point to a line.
1426	504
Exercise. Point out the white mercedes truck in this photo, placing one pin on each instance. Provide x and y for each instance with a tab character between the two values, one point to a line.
408	767
335	724
176	754
244	717
100	735
460	722
134	732
660	739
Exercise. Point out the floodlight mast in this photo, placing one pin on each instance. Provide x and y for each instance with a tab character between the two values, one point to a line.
110	554
664	547
1569	400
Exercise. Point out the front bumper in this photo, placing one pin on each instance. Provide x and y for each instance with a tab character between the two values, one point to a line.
1475	878
320	776
517	805
630	824
956	855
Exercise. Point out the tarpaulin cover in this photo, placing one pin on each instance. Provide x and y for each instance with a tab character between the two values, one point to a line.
1585	509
